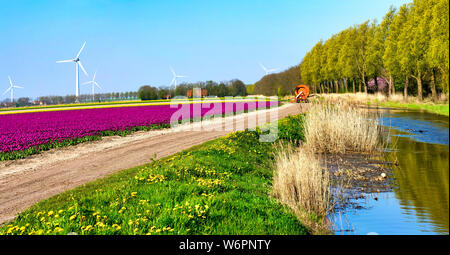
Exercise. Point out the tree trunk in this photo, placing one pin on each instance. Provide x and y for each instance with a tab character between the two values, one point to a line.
405	89
375	79
419	86
364	84
390	86
433	86
353	85
336	86
345	85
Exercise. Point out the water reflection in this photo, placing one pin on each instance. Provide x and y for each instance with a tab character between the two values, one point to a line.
422	181
419	126
419	203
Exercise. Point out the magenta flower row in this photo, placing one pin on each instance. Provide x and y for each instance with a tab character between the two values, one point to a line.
28	130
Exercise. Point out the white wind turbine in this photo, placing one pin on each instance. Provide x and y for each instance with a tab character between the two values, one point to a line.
94	83
268	71
11	88
77	64
175	76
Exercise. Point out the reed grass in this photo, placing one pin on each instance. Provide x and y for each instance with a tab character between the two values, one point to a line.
341	128
304	185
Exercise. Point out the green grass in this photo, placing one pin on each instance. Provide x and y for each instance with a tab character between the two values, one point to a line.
442	109
220	187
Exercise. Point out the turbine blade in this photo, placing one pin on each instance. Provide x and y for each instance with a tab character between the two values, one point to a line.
10	81
173	72
79	53
18	87
173	81
65	61
6	91
82	68
86	83
97	85
263	67
93	78
181	76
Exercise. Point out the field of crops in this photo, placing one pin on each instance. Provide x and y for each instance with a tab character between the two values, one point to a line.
28	133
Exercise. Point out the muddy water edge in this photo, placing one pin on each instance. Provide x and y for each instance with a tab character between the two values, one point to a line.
405	190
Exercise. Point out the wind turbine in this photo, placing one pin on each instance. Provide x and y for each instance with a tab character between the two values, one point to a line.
94	83
268	71
77	64
11	88
175	76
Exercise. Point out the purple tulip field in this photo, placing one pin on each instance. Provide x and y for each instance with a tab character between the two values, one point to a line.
28	133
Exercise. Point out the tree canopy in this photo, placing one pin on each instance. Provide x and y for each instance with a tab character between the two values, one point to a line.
281	84
409	42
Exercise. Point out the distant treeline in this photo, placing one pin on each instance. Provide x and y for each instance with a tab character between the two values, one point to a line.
70	99
280	84
408	50
209	88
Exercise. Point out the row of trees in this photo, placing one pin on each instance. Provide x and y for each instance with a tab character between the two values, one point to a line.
210	88
22	101
409	50
98	97
70	99
280	84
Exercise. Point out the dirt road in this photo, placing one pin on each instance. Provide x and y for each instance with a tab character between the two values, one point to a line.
27	181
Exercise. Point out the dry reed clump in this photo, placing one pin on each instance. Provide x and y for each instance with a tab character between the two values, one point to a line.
339	128
355	98
302	184
361	98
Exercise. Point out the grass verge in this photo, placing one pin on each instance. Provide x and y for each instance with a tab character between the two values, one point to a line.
442	109
220	187
395	101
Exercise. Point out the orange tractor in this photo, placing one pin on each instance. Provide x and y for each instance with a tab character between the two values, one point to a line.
301	94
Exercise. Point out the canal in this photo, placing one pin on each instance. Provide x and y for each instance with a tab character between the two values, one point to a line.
419	201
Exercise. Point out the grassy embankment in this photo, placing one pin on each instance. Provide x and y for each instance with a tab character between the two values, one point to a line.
442	109
220	187
396	101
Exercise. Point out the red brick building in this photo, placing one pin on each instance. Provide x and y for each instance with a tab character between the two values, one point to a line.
198	93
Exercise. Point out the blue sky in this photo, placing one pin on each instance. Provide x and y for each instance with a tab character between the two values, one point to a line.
132	43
